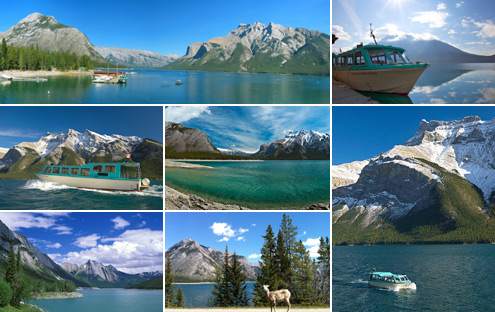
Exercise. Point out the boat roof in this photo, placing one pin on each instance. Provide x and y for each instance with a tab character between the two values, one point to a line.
387	274
372	47
89	164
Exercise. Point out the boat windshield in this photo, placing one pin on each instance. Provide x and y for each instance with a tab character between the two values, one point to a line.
395	56
130	171
377	56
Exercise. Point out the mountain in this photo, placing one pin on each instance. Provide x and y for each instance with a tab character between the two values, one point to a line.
227	151
135	58
103	276
48	34
439	186
421	50
76	148
36	264
192	262
3	151
297	145
260	48
181	139
154	283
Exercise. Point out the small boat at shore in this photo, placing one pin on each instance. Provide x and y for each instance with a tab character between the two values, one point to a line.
100	176
7	77
389	280
179	82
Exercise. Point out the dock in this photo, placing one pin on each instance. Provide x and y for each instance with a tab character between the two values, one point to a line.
342	94
109	77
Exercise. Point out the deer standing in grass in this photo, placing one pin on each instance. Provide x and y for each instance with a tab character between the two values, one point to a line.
277	296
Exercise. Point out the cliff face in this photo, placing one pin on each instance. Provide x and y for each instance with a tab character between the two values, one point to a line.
181	139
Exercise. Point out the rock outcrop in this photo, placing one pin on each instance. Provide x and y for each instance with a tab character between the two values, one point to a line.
182	139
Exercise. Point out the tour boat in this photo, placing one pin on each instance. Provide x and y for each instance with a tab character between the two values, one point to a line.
101	176
388	280
179	82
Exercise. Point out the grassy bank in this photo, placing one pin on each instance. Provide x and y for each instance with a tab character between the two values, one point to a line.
23	308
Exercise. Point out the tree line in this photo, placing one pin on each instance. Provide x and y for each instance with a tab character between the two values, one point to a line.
16	286
285	264
32	58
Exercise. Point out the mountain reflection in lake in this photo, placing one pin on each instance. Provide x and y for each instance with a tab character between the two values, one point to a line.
463	83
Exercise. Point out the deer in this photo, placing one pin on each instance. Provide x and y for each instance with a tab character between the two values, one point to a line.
273	297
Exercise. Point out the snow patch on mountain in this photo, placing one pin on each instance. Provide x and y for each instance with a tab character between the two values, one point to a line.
135	58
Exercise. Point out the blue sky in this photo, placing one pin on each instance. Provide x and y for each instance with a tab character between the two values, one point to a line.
242	232
167	26
247	127
468	25
131	242
29	123
359	133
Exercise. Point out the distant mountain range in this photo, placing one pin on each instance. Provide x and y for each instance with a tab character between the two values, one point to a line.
135	58
297	145
192	262
75	148
439	186
260	48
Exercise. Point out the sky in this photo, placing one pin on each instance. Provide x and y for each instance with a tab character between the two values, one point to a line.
242	232
245	128
468	25
359	133
29	123
167	27
131	242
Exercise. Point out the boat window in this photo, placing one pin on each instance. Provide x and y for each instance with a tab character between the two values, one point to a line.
360	58
47	170
85	171
65	170
406	59
56	170
110	169
377	56
350	59
129	172
97	168
395	56
74	171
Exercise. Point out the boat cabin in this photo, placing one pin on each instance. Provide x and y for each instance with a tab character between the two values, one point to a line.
116	171
370	55
108	73
387	277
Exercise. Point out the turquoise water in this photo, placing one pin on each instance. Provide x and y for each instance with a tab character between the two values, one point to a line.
256	184
448	278
197	295
158	87
469	83
36	194
97	300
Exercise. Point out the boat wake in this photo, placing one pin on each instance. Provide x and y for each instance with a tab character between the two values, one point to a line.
411	286
359	281
45	186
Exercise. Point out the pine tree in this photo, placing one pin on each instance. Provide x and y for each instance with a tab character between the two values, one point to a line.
238	283
179	298
283	262
303	275
14	278
169	283
289	233
221	291
323	271
3	54
268	269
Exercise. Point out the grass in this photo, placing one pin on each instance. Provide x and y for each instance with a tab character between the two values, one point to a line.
23	308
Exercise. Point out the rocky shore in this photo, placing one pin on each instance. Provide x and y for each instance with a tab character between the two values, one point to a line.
175	200
57	295
175	164
42	73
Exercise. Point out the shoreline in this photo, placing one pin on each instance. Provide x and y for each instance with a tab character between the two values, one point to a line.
174	164
43	73
177	200
57	295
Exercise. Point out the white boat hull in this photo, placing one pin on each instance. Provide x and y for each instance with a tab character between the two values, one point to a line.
93	183
388	285
396	81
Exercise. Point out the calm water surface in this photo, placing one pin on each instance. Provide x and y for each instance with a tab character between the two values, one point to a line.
256	184
37	194
97	300
158	87
448	278
197	295
469	83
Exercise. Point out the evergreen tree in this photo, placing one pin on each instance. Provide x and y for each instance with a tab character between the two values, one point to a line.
302	289
5	293
283	262
221	291
289	233
323	271
14	278
238	283
268	268
179	298
169	283
3	55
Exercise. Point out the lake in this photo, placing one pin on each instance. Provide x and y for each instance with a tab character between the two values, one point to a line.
158	87
36	194
114	299
197	295
448	277
256	184
468	83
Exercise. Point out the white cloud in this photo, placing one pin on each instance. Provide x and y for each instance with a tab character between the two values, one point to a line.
133	251
120	223
18	220
313	251
242	231
223	239
55	257
254	256
142	224
56	246
304	233
222	229
451	32
487	29
459	4
241	238
20	133
87	241
479	42
184	113
434	19
488	95
63	230
441	6
254	224
312	242
340	33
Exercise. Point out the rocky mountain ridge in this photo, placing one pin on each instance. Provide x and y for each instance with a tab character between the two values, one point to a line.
182	139
136	58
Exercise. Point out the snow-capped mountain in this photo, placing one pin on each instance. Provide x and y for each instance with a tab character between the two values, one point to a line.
410	180
297	145
228	151
194	262
3	151
261	48
44	31
135	58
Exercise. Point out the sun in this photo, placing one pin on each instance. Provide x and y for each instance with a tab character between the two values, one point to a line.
395	4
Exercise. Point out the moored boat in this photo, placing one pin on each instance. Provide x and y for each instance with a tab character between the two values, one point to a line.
179	82
389	280
101	176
